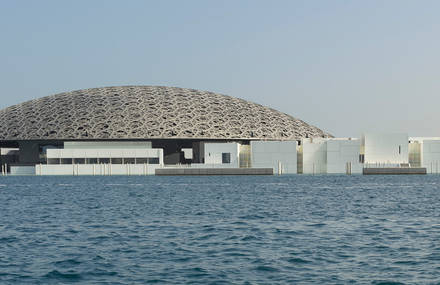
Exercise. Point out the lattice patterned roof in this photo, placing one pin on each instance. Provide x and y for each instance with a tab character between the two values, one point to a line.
147	112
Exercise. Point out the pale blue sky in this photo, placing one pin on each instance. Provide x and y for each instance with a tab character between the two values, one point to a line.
344	66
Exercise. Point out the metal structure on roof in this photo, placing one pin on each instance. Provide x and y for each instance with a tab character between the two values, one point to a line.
147	112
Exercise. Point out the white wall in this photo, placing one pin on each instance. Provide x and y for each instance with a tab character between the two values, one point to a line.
269	154
96	169
8	151
384	148
106	153
187	153
341	152
431	155
314	153
22	170
213	153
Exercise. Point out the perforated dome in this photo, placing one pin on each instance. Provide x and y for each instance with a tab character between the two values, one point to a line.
147	112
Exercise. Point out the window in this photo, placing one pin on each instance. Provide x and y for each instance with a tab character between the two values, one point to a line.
226	157
53	161
92	160
117	160
400	149
104	160
145	160
141	160
129	160
153	160
79	160
66	161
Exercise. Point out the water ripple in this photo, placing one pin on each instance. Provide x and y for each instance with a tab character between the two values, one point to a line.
220	230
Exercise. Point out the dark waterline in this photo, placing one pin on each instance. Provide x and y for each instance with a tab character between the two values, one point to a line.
220	230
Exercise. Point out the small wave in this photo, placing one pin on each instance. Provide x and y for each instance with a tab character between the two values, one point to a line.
407	262
154	281
8	239
102	273
251	217
55	274
239	223
317	225
387	283
98	257
197	272
72	231
183	259
265	268
236	254
67	262
249	237
205	237
297	260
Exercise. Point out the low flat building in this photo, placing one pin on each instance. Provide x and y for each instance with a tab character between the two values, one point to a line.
101	158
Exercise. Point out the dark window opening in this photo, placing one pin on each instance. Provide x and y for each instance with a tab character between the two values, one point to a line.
104	160
53	161
66	161
79	160
146	160
92	161
226	157
141	160
153	160
129	160
117	160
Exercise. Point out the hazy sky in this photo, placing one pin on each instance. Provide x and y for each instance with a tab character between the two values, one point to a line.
344	66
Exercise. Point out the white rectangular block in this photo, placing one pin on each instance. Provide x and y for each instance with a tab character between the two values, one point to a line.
279	155
343	156
385	148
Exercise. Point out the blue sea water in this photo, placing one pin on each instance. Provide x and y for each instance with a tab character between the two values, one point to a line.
220	230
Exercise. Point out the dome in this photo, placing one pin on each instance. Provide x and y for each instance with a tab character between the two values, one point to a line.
147	112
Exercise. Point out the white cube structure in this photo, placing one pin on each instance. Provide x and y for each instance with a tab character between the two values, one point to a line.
314	156
279	155
430	157
222	154
385	149
343	156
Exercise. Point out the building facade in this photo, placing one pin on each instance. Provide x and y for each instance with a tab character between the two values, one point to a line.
135	130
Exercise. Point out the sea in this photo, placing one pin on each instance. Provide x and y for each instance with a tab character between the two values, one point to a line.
292	229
